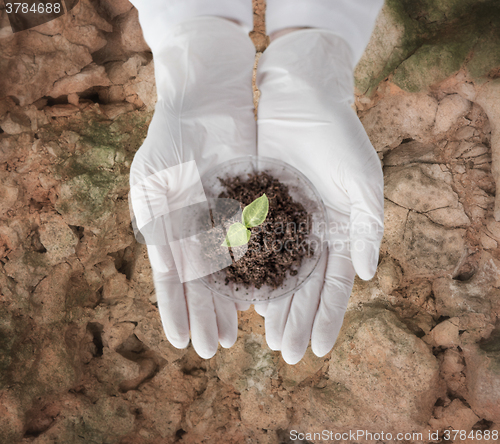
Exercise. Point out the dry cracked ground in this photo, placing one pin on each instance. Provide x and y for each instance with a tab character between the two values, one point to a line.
83	357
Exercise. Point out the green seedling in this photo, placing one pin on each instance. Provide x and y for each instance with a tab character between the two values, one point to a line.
253	215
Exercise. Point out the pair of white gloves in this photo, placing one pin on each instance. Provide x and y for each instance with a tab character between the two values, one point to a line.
205	114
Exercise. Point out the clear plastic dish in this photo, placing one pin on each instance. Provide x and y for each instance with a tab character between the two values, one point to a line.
301	190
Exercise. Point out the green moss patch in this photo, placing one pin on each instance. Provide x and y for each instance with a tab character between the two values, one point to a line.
439	38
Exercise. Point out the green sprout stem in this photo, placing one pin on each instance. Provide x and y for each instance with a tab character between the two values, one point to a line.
253	215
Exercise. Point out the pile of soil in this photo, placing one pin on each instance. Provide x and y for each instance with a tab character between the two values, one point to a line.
280	243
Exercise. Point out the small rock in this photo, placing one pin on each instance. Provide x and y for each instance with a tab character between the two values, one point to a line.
120	72
116	7
6	148
487	242
411	152
61	110
480	202
115	368
88	15
28	267
430	248
91	75
88	36
452	362
410	187
47	182
450	109
70	137
74	99
419	292
445	334
112	94
450	217
389	275
477	295
452	370
15	124
467	91
9	237
476	327
58	238
133	98
131	32
483	377
38	118
398	117
115	288
114	110
456	416
115	335
465	133
145	86
467	150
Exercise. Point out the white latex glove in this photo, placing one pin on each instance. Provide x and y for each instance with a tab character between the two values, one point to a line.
304	117
156	16
204	116
352	20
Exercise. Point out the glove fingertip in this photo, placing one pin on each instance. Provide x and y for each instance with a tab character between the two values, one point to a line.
365	262
261	309
325	334
273	343
242	306
206	352
320	350
179	343
227	341
292	358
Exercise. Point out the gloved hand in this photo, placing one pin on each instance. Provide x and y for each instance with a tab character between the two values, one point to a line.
204	116
304	117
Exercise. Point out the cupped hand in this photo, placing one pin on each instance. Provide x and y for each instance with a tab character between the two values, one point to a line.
304	117
204	116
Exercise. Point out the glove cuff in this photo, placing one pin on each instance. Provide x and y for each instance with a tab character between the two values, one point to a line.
352	20
158	16
315	63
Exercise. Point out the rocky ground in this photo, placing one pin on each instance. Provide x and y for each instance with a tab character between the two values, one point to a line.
83	357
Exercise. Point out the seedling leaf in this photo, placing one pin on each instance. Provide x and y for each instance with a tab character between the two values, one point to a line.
236	235
256	213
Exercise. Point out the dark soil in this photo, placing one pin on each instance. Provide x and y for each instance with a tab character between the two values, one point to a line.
280	243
